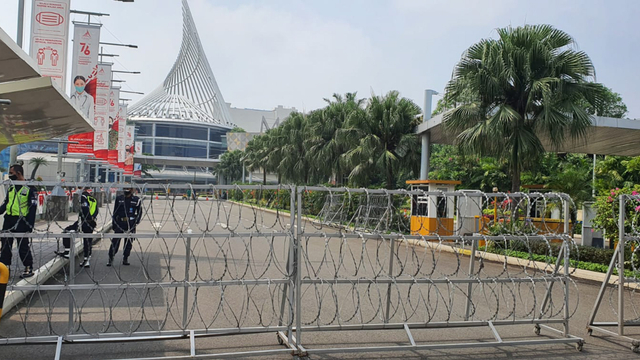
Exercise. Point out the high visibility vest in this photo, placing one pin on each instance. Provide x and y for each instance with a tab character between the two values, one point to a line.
18	202
93	205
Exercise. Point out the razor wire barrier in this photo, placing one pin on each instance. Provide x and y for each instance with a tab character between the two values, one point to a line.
389	264
621	292
211	260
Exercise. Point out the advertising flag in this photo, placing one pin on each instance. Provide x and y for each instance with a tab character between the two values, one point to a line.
101	121
114	108
84	72
49	38
122	135
129	150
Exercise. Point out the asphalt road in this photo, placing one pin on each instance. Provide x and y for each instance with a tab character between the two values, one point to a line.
249	256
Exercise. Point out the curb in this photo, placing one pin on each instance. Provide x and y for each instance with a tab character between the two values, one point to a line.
42	274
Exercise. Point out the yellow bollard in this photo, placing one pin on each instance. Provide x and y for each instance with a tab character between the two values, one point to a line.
4	279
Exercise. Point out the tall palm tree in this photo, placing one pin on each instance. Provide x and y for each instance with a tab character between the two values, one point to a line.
325	149
528	82
256	155
290	142
37	162
381	139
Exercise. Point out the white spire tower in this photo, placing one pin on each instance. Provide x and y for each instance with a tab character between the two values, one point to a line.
190	91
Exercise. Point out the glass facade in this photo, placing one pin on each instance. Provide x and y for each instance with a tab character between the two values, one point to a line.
177	140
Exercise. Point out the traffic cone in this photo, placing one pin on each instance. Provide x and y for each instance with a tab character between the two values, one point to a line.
157	198
207	199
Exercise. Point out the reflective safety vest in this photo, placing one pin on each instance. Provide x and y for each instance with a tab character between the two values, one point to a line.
18	202
93	205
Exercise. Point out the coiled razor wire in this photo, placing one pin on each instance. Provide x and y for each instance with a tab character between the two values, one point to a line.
220	257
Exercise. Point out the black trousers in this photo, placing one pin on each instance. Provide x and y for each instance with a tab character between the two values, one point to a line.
115	242
15	225
87	243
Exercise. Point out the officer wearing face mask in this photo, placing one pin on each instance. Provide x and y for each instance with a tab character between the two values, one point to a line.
127	213
19	208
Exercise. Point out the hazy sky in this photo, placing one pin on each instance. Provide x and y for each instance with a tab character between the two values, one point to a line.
266	53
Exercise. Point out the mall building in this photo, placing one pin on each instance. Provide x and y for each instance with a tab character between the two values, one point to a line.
183	124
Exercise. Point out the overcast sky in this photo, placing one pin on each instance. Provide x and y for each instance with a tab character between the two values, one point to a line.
266	53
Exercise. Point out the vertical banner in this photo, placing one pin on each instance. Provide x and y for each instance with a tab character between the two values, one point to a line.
122	135
137	168
49	38
84	72
114	108
101	121
129	150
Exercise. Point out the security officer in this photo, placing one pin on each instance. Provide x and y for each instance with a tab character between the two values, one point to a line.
127	213
19	208
86	222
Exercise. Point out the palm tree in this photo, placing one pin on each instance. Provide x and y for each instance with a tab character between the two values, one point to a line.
528	82
230	165
381	139
325	149
37	162
289	142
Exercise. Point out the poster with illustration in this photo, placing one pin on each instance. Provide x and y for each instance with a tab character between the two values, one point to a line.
84	73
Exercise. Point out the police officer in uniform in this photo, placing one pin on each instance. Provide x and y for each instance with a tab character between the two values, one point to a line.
127	213
19	208
86	222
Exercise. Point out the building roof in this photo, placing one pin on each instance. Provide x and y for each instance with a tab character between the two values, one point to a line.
190	92
607	136
38	110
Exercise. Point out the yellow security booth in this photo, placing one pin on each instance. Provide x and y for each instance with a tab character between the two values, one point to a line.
432	214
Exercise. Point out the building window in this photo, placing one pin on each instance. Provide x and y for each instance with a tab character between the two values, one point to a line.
181	149
181	132
144	129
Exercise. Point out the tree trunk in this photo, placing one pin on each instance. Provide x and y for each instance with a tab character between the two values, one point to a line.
33	173
515	179
264	176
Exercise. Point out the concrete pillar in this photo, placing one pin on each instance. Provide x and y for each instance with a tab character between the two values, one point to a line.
426	137
425	156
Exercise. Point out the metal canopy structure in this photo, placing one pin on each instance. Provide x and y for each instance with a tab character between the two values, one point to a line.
38	109
190	92
15	64
608	136
175	161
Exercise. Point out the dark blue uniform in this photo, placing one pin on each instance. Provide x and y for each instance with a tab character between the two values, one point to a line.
127	213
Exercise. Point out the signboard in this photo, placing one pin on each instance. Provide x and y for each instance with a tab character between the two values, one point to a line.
49	38
114	108
84	70
137	170
138	147
101	120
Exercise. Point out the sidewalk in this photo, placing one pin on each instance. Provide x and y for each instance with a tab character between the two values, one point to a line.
45	262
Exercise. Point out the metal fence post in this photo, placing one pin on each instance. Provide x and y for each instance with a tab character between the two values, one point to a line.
71	278
567	263
391	256
185	305
290	261
298	271
472	264
621	246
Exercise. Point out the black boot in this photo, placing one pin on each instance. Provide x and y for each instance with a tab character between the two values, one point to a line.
110	261
125	261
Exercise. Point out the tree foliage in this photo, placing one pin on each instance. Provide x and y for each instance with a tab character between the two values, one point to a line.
230	165
367	142
529	81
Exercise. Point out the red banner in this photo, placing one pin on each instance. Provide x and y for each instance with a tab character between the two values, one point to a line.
84	69
84	143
